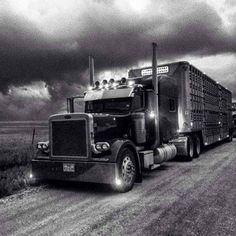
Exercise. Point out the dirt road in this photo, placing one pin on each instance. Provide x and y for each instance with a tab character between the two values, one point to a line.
179	198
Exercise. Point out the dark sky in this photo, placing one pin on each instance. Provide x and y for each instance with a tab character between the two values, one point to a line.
45	45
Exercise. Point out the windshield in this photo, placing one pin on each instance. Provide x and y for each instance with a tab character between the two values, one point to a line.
122	105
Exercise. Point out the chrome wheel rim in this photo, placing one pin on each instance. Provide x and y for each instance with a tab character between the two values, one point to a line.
127	170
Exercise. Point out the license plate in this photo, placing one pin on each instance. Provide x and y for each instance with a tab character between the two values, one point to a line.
68	167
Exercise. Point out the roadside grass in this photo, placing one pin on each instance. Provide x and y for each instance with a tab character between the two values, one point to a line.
16	153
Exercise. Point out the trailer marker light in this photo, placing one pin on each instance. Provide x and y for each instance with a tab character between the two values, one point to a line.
31	176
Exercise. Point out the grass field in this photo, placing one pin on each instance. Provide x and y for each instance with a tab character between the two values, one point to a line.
16	152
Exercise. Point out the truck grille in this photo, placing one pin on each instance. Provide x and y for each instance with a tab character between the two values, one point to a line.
69	138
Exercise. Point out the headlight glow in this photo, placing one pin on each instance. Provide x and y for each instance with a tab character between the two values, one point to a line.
118	182
98	147
102	146
43	146
105	146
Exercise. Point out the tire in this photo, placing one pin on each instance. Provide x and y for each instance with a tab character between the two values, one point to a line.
197	146
190	149
127	170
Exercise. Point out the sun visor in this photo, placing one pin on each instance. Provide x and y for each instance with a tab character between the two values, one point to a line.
108	94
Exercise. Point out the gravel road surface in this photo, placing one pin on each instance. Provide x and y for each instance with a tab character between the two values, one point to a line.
179	198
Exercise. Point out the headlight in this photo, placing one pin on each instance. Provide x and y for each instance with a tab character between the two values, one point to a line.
43	146
105	146
100	147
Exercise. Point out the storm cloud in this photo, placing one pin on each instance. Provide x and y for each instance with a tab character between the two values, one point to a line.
50	41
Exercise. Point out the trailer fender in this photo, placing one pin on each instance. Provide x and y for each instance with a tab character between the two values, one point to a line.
117	146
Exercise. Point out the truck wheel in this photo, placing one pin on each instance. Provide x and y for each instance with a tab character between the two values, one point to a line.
127	170
190	149
197	146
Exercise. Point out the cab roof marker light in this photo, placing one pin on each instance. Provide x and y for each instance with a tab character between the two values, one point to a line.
123	81
104	82
111	81
97	84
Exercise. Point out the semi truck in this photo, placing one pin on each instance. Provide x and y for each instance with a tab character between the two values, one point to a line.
135	124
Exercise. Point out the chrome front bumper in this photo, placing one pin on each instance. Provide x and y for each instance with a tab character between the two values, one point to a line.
95	172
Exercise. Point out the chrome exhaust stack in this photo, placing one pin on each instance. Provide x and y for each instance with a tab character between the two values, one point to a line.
156	96
164	152
91	71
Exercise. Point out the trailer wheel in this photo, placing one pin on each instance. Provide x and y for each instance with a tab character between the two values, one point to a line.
197	146
127	170
190	149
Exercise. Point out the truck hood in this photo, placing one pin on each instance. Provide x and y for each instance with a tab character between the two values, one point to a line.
106	127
